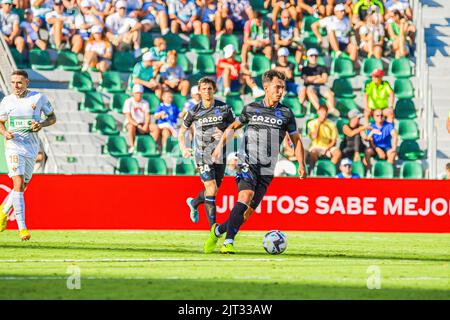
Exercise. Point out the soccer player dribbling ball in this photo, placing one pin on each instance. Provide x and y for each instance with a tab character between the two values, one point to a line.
210	118
266	124
22	110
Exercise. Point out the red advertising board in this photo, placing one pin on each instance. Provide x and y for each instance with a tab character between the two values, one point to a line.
159	202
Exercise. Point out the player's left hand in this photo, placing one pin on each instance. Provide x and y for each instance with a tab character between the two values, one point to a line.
217	134
302	171
35	126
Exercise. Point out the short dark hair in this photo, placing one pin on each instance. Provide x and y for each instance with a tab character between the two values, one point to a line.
206	80
167	90
268	76
22	73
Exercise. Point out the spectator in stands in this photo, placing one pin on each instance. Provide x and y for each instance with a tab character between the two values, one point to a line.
257	38
137	115
232	163
282	64
166	116
86	19
314	8
401	33
361	10
354	132
372	35
280	6
21	4
448	122
144	73
208	16
40	8
447	171
123	31
98	51
323	133
285	165
235	13
9	26
287	35
192	102
402	6
383	139
378	94
157	13
231	74
159	50
63	29
314	79
183	15
102	8
30	30
346	170
338	29
173	76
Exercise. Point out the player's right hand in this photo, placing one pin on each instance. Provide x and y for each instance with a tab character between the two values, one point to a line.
215	155
8	135
187	153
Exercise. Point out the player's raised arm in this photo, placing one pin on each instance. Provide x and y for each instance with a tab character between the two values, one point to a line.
223	140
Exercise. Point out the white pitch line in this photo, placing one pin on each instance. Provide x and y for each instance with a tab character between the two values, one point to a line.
139	260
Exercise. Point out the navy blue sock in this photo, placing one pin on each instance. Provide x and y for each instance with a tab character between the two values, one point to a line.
235	220
199	199
210	208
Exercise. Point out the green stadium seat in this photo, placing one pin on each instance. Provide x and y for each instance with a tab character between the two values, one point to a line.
205	64
259	65
123	61
118	101
258	5
344	105
297	72
40	60
340	124
343	55
127	165
156	166
152	100
400	68
68	61
193	78
200	43
306	25
382	169
20	13
369	65
184	167
105	124
174	42
324	168
410	150
111	82
294	104
93	102
146	146
342	68
227	39
170	146
82	81
342	88
146	39
311	42
408	130
403	89
18	58
184	62
117	147
236	103
179	100
358	167
405	109
411	170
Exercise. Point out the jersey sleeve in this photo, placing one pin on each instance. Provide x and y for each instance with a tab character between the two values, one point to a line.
47	107
291	125
3	110
188	119
244	117
229	116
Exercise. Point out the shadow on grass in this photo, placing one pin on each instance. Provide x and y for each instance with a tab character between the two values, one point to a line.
160	289
242	254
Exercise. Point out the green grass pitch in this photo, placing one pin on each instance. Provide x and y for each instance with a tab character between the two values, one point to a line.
171	265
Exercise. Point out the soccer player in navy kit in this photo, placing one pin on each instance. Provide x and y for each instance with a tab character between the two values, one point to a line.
210	118
266	124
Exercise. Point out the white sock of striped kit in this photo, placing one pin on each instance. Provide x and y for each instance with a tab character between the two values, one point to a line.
19	209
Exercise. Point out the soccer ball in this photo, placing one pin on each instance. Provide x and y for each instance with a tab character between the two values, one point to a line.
275	242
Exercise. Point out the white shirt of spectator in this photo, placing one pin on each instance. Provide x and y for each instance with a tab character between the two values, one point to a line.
341	28
183	11
29	29
377	30
99	47
399	5
46	6
100	5
68	19
7	22
81	19
137	109
119	25
18	112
